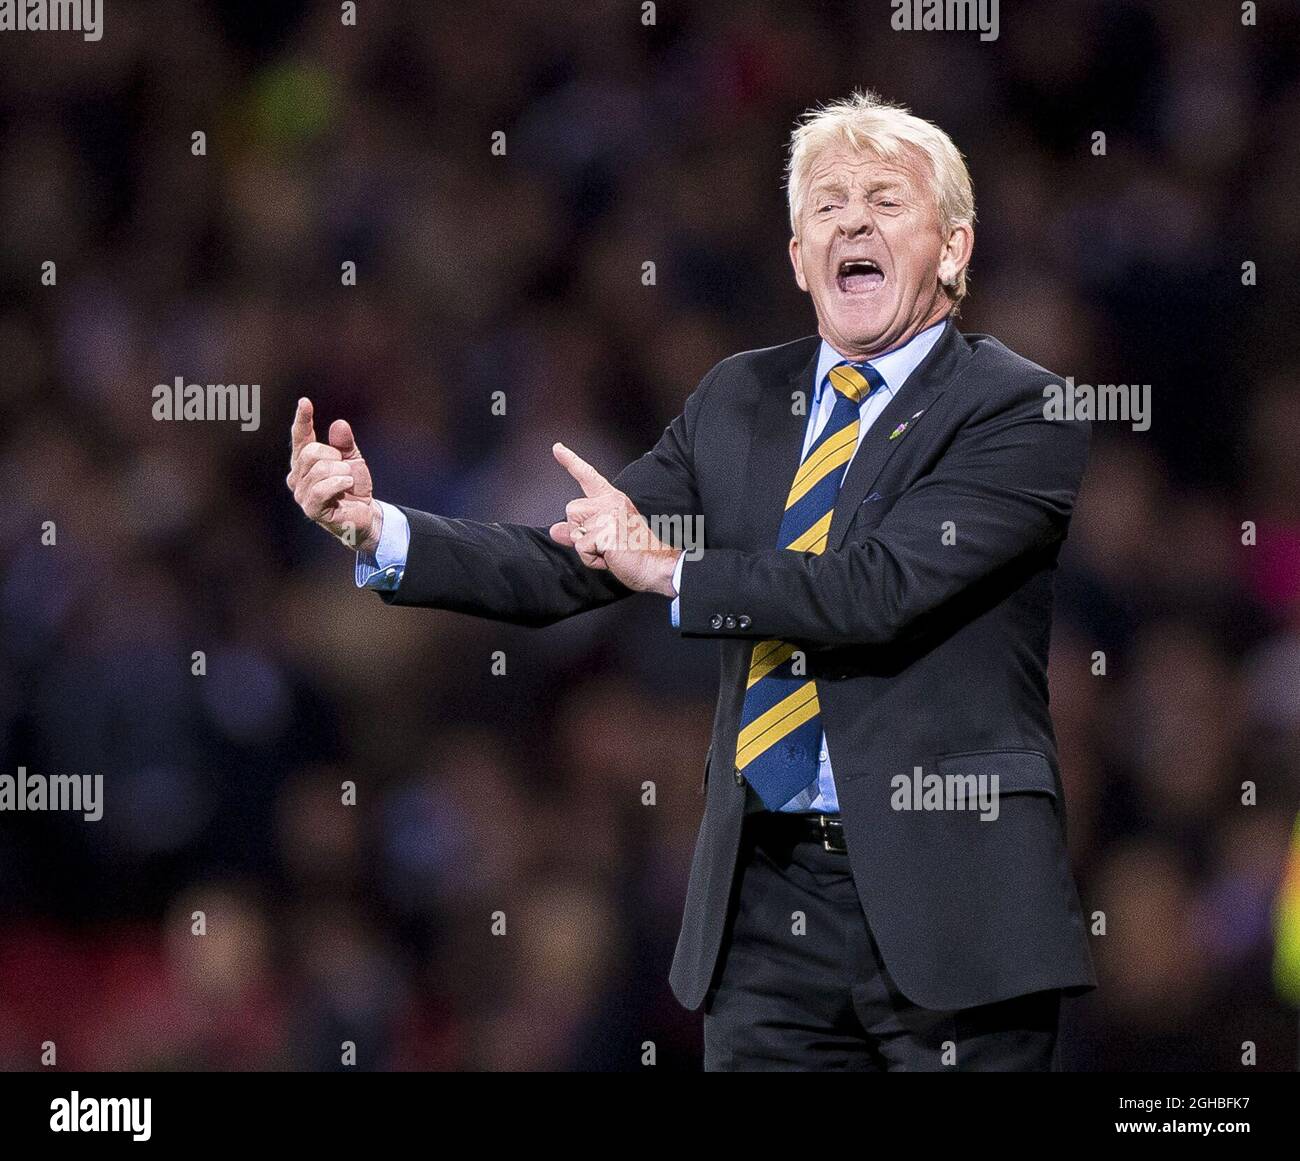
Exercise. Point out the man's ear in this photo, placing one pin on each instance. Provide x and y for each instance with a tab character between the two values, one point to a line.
794	261
956	253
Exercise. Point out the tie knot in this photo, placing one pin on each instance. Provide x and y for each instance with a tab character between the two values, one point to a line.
855	381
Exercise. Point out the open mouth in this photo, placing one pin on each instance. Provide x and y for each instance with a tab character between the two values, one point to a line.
856	275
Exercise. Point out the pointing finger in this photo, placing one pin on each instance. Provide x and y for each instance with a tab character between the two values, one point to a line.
589	480
303	432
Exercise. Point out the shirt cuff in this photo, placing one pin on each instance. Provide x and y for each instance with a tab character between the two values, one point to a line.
675	611
383	570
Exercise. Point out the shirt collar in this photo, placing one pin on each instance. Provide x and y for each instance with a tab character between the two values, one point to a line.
894	366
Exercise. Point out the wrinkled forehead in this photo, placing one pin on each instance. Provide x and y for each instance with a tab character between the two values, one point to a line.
845	166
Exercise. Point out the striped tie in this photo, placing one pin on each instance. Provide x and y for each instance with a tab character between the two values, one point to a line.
780	724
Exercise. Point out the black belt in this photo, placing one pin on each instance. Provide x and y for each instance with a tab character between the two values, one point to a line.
787	826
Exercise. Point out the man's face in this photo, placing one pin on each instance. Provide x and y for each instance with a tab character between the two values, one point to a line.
869	248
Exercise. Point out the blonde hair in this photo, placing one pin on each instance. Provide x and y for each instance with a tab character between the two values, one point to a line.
868	124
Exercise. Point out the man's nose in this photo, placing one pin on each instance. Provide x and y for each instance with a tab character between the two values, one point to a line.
856	219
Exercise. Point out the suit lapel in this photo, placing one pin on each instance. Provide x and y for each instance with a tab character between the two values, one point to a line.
918	394
774	450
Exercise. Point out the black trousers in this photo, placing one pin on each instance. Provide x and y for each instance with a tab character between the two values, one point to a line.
811	993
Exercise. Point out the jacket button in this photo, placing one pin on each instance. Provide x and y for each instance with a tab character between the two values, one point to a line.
715	622
744	622
740	778
730	622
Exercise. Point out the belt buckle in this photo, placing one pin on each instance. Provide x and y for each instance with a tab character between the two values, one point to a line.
827	824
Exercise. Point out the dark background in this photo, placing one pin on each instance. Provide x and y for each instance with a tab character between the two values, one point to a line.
522	793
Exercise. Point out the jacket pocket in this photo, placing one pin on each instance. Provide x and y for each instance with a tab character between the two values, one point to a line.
1017	771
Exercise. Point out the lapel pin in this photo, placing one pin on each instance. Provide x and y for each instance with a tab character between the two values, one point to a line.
902	427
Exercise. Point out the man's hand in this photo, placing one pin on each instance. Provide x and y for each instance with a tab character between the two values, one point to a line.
609	533
331	483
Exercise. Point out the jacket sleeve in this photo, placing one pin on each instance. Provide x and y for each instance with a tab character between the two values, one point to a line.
516	573
1003	490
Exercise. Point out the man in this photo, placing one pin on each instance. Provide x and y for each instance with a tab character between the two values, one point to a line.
881	879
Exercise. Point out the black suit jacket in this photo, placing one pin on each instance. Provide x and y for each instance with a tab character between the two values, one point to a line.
925	624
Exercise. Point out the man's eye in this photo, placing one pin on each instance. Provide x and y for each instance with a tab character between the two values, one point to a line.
824	208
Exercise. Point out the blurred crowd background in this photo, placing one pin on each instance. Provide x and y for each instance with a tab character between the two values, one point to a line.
477	273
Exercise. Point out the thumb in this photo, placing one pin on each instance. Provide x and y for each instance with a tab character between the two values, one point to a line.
343	440
589	480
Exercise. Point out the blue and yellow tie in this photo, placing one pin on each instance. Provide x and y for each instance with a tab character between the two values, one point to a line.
780	724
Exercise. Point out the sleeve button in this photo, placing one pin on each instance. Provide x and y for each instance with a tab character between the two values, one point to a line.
730	622
744	622
715	622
